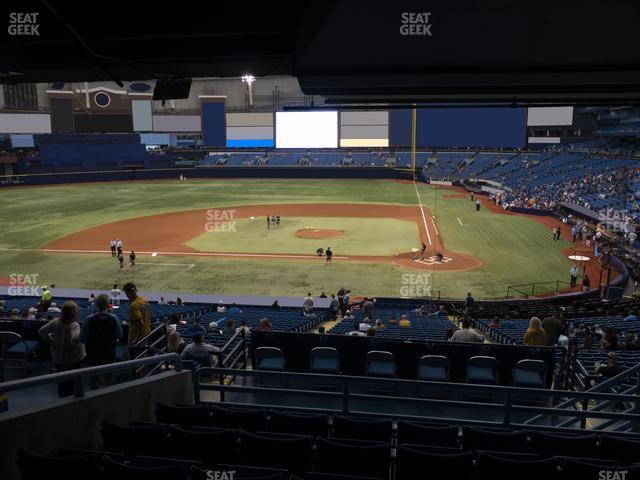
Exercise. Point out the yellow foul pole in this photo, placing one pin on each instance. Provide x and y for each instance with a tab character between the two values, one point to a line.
413	139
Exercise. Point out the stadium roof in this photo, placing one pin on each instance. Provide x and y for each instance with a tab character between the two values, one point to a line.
348	51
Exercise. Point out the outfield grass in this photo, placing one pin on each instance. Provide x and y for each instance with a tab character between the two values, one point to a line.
360	236
513	249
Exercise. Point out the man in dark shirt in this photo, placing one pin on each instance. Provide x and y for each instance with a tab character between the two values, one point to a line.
100	334
612	369
367	308
329	255
469	300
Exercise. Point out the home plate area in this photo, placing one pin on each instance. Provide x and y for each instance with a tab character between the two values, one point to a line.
433	260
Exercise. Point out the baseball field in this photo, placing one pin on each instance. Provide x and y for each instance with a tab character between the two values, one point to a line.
211	236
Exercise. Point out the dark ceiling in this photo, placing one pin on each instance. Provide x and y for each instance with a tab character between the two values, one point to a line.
348	51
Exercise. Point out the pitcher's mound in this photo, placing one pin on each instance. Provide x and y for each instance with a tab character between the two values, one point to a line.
316	233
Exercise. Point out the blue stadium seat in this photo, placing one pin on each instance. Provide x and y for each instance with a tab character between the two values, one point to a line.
244	472
380	364
250	420
493	439
529	373
325	360
482	369
269	358
334	476
425	434
552	444
497	467
362	428
368	459
434	368
287	451
622	449
206	445
301	423
183	415
412	459
140	440
13	346
589	469
71	467
122	471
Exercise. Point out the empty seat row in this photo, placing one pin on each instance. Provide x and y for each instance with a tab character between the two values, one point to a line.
274	457
481	369
544	444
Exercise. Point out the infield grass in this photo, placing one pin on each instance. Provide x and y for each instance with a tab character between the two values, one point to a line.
513	249
360	236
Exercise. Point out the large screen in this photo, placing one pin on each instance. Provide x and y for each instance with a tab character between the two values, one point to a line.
549	116
307	129
471	127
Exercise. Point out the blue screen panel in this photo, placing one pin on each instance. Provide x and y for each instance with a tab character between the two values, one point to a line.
400	127
471	127
213	125
266	142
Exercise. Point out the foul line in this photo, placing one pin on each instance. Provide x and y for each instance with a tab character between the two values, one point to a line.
190	265
434	226
195	254
424	219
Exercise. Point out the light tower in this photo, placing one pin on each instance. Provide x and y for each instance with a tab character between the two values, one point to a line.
249	79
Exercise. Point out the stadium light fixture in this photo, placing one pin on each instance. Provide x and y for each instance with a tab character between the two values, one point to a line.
249	79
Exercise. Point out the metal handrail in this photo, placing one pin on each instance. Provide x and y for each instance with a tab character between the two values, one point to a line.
596	389
504	396
77	375
451	386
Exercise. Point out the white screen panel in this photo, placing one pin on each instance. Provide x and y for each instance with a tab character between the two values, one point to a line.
307	129
249	119
25	123
549	116
544	139
177	123
364	118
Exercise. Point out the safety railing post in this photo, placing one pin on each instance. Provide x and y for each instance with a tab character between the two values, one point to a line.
345	397
508	402
196	388
221	381
78	387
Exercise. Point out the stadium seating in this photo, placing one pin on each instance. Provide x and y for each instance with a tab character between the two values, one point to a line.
325	360
431	327
434	368
337	448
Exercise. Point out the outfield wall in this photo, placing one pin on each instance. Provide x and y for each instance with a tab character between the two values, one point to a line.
204	173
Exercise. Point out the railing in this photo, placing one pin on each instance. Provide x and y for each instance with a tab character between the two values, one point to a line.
77	376
503	403
238	352
527	290
575	399
233	354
